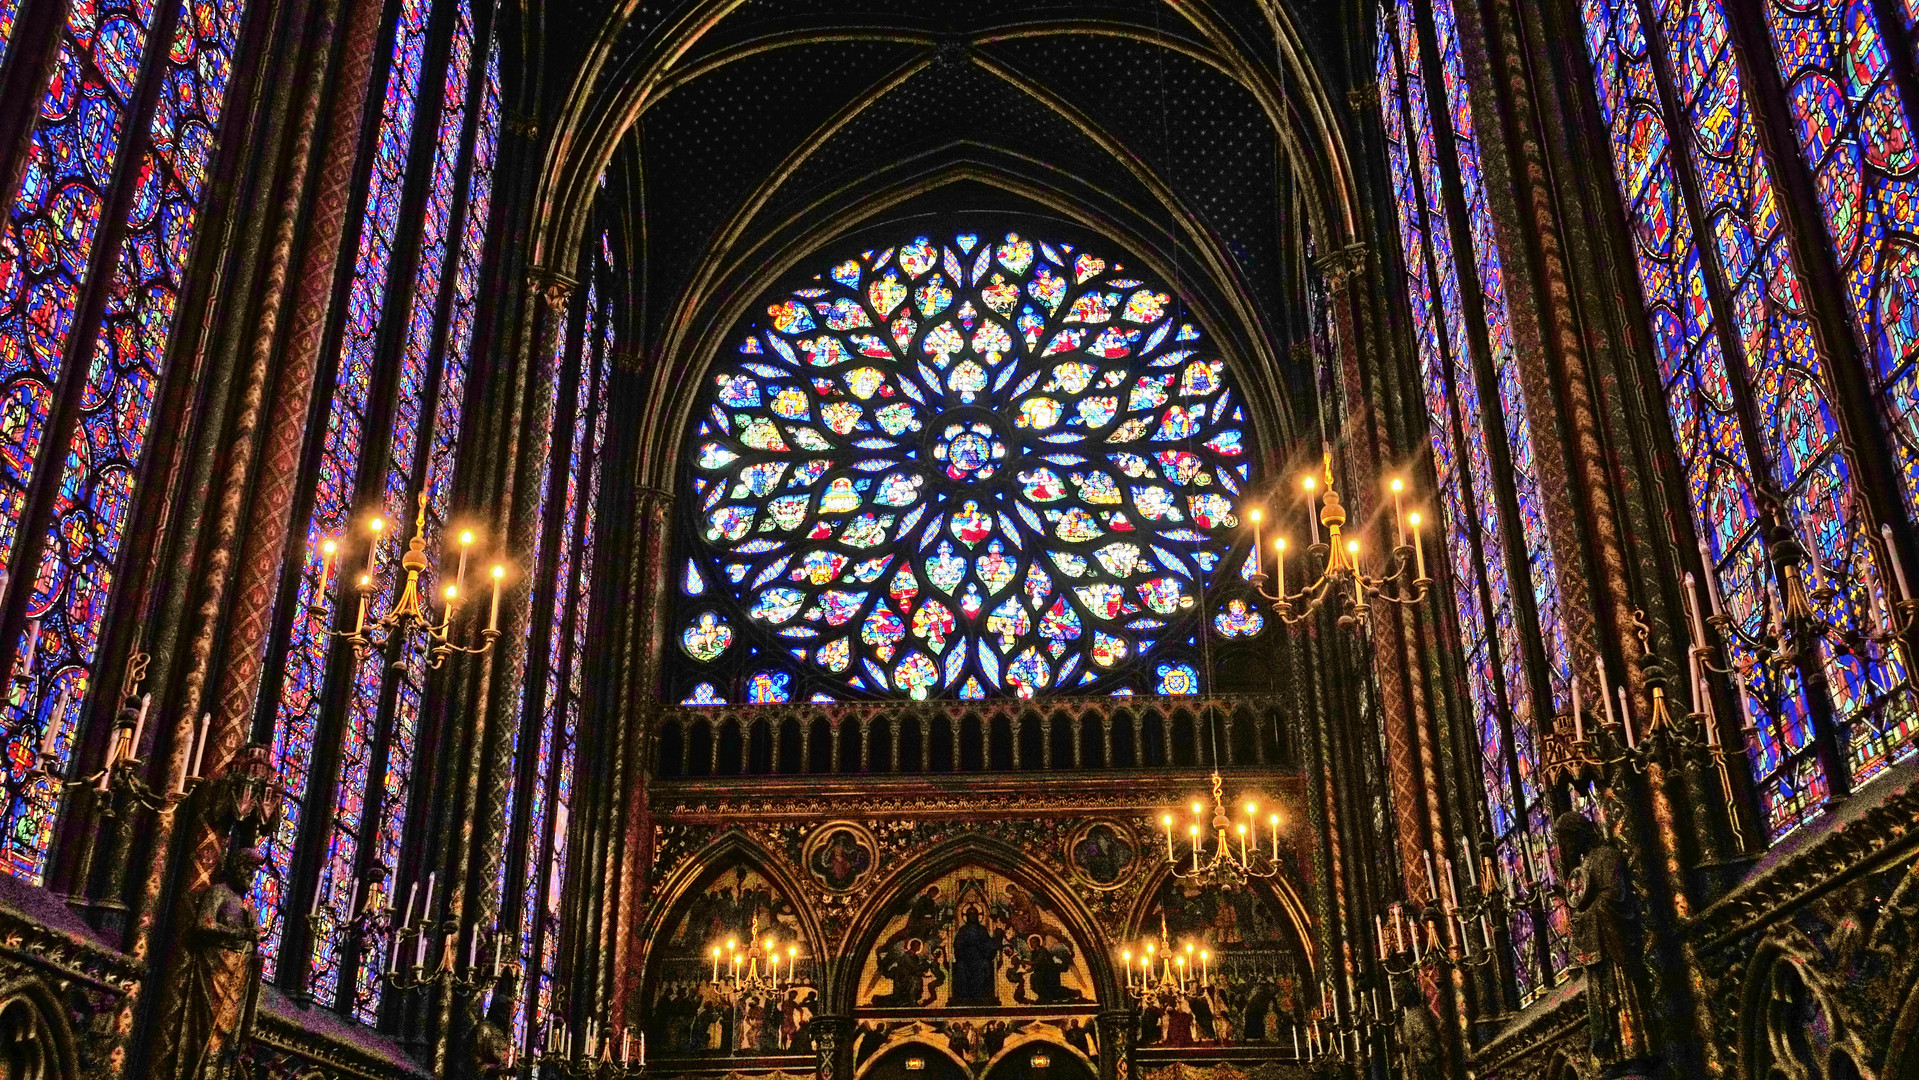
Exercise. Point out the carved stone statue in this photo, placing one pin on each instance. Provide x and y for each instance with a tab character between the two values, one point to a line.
219	943
1418	1031
1604	940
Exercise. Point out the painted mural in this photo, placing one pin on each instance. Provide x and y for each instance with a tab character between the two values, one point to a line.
734	977
970	941
1253	988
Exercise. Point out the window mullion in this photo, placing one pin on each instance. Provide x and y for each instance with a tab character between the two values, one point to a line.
1455	433
1825	742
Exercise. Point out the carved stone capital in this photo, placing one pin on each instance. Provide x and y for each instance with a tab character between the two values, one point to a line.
554	288
1338	267
1363	97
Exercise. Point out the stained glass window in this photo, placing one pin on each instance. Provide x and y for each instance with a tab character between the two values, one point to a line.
104	54
959	467
1686	150
1479	539
560	698
370	794
415	451
302	692
1854	128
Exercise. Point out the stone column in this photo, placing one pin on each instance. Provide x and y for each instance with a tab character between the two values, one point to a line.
833	1040
1116	1029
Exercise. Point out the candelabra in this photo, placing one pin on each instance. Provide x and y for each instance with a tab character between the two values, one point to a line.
1341	579
410	613
754	969
1222	867
594	1057
1166	973
121	769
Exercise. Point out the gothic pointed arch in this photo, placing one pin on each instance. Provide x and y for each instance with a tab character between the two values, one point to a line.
36	1036
891	910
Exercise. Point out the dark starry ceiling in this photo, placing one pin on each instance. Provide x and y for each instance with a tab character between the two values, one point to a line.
785	110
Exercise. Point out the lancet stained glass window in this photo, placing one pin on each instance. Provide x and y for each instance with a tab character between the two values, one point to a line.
1694	101
105	53
1855	129
565	680
368	791
960	467
1478	538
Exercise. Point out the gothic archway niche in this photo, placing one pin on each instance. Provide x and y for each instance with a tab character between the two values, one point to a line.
973	963
1257	983
36	1041
969	464
729	1005
1793	1026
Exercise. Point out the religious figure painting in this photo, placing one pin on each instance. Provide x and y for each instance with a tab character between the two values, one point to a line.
733	976
974	940
1104	855
840	856
1252	989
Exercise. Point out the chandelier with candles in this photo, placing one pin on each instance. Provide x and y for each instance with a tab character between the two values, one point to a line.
410	613
757	968
1224	866
1341	581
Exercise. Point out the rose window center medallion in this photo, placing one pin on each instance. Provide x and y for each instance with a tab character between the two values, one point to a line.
960	468
969	452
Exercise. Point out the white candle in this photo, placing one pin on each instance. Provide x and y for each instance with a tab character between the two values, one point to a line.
493	617
1898	567
1399	516
1167	820
373	546
139	726
200	745
1745	703
1379	931
1419	549
1712	583
426	909
1312	519
326	570
412	894
54	719
1812	555
1605	690
1698	624
473	950
626	1048
1625	714
1432	877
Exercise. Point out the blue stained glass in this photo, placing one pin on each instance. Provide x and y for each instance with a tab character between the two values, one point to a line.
1854	128
83	115
1771	332
555	740
308	646
827	467
1498	684
366	804
9	15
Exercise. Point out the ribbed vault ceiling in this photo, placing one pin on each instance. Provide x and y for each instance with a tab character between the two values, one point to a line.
745	127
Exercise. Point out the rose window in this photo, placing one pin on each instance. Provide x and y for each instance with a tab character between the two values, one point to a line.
960	468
